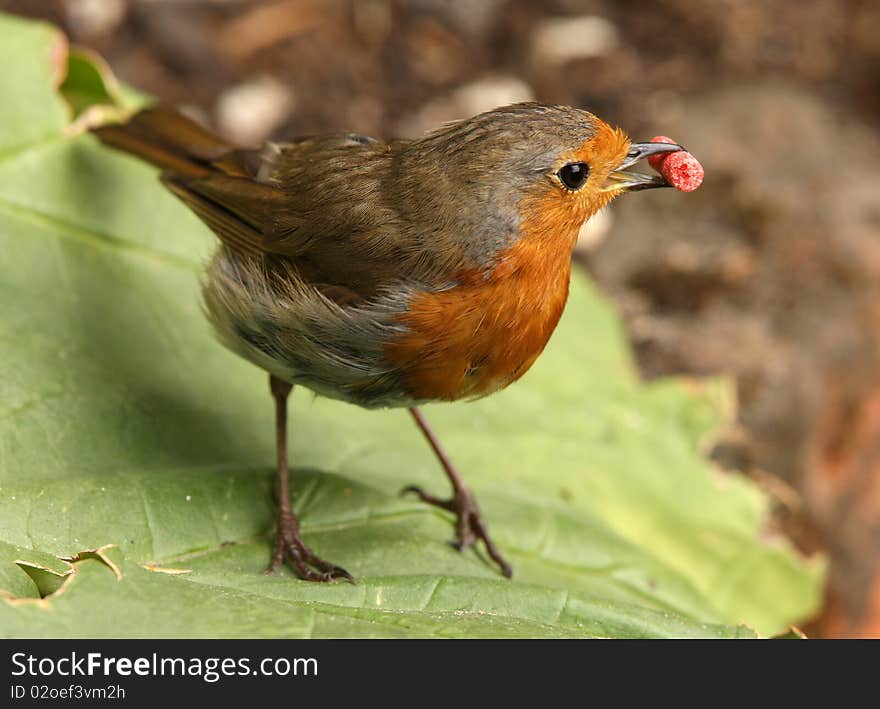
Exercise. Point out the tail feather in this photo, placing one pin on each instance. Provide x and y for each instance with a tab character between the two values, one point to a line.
167	139
213	177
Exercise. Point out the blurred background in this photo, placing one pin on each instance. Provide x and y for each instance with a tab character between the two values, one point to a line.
769	273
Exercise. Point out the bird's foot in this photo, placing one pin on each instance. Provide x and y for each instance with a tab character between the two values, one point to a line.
469	526
307	564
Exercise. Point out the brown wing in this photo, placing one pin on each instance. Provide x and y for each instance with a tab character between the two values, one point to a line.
318	202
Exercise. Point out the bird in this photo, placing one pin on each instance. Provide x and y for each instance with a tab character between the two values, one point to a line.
392	273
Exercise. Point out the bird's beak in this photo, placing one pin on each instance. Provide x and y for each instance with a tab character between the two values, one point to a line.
626	181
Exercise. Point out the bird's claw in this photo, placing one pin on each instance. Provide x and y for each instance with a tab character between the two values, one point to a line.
308	565
469	525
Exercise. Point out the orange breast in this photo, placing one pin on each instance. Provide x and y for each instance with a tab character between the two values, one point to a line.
485	333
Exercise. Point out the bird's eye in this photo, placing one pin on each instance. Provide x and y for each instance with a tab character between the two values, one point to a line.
574	175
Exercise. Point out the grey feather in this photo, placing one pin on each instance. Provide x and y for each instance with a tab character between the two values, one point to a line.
267	314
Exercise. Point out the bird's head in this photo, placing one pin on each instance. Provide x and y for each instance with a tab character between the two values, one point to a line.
550	165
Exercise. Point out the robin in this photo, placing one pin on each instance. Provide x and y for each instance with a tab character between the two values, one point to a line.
390	274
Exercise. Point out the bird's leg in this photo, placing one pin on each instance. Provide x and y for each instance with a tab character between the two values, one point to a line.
288	542
470	526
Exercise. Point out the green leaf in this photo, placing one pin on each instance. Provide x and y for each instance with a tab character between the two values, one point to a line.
91	91
123	422
30	56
